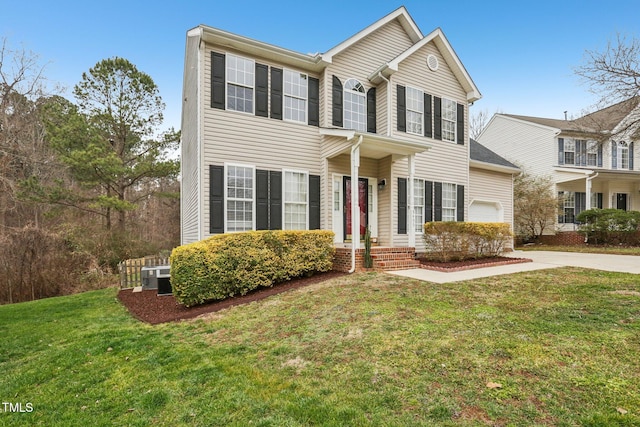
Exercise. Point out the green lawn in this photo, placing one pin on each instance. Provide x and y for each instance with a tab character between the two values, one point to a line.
367	349
591	249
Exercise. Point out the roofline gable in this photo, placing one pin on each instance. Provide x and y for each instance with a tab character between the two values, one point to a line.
401	14
437	36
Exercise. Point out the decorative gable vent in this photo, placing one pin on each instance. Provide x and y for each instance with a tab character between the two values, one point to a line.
432	62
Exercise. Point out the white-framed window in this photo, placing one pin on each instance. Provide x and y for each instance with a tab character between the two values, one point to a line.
449	120
418	205
336	195
295	96
239	184
569	207
415	111
355	106
569	151
592	153
623	155
240	83
449	202
296	189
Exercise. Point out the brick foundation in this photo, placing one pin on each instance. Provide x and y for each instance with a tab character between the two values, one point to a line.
384	259
563	238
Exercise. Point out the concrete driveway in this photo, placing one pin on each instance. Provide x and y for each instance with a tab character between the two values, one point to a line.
541	260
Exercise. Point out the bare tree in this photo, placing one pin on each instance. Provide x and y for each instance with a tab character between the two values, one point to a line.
477	122
613	74
535	205
23	151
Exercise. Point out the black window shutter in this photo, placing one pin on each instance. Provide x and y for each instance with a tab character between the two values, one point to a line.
314	202
460	203
561	207
437	118
437	201
460	124
599	155
218	69
276	93
402	206
614	155
262	90
582	156
428	201
336	96
599	202
402	109
262	200
428	116
314	102
561	151
631	156
216	199
581	203
371	110
275	200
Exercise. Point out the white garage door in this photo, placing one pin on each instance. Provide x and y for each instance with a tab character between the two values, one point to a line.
484	212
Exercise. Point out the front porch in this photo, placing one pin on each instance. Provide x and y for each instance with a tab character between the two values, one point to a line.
384	259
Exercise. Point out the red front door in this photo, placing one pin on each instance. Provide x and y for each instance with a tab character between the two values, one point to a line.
363	190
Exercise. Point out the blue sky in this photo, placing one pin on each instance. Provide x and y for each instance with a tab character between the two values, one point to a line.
521	55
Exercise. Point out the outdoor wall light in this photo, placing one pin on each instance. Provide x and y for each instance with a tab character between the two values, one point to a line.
381	184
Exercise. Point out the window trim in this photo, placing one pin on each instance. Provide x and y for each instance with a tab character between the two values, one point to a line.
622	146
227	82
226	195
455	201
408	109
363	97
421	207
285	95
284	197
592	150
454	121
565	151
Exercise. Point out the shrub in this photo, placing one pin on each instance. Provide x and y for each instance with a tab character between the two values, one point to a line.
225	265
610	226
453	241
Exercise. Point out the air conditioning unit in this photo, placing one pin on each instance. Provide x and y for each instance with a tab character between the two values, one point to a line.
157	277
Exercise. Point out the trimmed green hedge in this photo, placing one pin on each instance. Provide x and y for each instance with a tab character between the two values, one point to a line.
452	241
610	226
225	265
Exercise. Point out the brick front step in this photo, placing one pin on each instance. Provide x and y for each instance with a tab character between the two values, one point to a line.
396	265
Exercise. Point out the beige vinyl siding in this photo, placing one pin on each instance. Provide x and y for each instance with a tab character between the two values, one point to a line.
360	60
190	164
262	142
385	202
492	186
531	145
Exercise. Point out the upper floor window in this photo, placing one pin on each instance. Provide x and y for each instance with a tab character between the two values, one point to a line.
623	155
569	152
415	111
355	102
295	96
592	153
240	83
449	120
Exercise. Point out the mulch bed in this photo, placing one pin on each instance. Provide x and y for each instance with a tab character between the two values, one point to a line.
148	307
470	264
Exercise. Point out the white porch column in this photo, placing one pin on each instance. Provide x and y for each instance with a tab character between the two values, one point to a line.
411	229
355	198
587	202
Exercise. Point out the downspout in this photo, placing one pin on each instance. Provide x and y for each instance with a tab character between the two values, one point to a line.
355	207
388	101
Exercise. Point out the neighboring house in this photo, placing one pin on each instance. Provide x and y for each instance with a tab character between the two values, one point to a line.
373	132
591	159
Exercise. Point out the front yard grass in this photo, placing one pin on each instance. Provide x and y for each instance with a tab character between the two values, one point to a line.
591	249
548	348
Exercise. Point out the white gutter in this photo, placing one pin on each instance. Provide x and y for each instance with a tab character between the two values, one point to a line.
355	204
388	101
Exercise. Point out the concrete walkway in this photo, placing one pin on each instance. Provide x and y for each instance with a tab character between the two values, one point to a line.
541	260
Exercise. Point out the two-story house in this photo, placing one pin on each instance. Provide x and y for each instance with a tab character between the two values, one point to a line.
591	159
372	133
